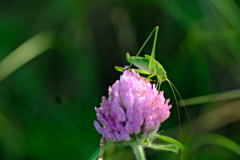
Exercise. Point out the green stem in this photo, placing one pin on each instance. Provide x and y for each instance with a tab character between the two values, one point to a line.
139	152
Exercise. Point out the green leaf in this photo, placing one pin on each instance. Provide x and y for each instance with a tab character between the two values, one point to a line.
170	140
96	152
168	147
94	155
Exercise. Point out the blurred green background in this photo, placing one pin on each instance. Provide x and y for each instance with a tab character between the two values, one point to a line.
52	82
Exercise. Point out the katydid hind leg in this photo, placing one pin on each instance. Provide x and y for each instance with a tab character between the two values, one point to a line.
154	30
152	66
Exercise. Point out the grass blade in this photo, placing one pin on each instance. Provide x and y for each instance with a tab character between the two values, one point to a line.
26	52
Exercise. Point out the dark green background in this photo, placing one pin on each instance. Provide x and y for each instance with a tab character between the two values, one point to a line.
47	105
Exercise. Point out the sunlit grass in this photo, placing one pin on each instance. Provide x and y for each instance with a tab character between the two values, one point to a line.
47	103
26	52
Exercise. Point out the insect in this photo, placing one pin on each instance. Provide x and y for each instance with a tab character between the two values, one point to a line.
102	147
150	66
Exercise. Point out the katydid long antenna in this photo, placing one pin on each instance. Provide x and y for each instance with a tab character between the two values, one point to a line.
179	118
185	108
173	88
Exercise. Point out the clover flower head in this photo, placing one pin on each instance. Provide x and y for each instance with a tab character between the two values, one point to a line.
134	109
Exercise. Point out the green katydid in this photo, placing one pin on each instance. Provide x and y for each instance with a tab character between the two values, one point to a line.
150	66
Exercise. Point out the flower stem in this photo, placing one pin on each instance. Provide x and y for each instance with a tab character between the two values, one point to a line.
139	152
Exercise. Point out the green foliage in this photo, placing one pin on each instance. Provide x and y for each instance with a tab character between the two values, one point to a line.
137	146
171	141
47	103
215	139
